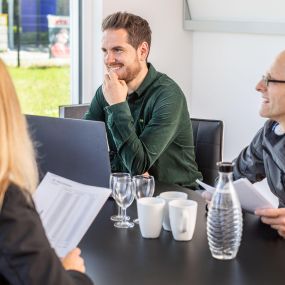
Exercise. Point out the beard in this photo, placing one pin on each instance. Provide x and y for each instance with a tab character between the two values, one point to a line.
127	73
130	73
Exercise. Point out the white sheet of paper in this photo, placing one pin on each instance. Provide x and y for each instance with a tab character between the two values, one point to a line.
263	188
207	187
251	197
67	209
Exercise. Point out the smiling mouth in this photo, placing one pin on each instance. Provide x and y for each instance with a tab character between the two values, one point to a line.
265	100
114	68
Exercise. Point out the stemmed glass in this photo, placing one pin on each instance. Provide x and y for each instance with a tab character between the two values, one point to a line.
144	187
113	179
124	196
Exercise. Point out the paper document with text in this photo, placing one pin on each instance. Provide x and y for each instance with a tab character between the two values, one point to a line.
67	209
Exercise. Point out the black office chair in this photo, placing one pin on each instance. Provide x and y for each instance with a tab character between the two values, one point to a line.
208	141
76	111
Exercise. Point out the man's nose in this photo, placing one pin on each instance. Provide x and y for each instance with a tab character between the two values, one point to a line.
260	86
109	58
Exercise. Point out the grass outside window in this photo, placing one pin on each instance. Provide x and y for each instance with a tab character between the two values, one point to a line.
42	89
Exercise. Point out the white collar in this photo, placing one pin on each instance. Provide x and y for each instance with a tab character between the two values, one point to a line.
278	130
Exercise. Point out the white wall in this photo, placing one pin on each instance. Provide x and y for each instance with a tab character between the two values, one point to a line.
171	45
226	68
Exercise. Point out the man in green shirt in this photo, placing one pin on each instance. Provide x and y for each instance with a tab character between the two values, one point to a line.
148	124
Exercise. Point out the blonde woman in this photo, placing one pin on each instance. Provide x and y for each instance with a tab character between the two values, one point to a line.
25	253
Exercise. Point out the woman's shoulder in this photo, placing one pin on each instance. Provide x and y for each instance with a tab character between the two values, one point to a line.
15	195
18	207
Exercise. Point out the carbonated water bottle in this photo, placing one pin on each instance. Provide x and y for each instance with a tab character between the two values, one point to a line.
224	222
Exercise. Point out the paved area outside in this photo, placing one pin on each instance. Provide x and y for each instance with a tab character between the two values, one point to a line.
32	58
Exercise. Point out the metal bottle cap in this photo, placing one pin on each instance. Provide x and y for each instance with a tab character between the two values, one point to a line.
225	166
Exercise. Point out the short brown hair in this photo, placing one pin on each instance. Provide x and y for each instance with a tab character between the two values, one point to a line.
137	28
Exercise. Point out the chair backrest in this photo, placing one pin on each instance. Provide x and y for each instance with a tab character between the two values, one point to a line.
73	111
208	141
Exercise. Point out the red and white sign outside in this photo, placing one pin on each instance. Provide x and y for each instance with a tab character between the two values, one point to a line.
59	36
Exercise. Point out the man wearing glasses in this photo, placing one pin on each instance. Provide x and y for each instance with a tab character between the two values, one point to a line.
265	156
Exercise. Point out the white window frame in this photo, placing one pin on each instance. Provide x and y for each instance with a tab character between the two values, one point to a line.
74	45
86	56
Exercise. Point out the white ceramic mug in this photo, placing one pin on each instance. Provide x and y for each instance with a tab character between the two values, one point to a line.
150	214
182	215
169	196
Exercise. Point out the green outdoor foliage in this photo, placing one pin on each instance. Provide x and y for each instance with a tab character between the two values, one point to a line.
42	89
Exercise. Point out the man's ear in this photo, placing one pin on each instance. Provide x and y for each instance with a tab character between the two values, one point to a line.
143	51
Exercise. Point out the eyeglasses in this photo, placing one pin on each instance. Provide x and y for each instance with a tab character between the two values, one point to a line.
267	80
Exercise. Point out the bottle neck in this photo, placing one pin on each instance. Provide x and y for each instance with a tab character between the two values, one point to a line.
225	178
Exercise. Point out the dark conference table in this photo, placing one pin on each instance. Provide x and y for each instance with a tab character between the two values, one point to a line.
123	257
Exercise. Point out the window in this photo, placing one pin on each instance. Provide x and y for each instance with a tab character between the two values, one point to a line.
35	44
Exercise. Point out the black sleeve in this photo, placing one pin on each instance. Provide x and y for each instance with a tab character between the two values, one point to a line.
26	255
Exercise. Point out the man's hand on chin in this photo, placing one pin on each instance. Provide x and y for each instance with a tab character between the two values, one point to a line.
115	91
